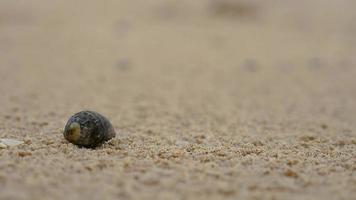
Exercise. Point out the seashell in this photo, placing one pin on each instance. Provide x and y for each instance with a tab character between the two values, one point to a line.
88	129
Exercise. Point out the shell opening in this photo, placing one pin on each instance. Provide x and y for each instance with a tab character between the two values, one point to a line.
73	133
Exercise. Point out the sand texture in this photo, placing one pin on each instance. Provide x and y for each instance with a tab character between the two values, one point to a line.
210	99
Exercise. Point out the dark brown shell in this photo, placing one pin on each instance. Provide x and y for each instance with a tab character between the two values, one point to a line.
88	129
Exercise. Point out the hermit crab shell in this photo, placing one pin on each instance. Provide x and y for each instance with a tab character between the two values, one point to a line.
88	129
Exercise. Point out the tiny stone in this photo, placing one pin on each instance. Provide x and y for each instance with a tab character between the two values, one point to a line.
24	154
10	142
290	173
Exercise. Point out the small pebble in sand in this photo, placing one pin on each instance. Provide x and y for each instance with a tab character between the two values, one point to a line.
4	143
24	153
290	173
88	129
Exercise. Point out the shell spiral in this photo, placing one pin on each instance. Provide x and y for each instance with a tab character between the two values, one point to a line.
88	129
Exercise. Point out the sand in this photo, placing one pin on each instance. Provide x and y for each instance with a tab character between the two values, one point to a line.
210	99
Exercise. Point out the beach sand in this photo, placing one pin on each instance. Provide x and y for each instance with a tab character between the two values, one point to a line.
210	99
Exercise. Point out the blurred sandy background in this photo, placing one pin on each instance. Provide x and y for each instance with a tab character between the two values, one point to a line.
219	99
